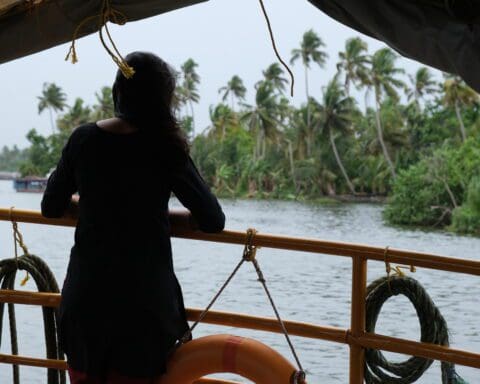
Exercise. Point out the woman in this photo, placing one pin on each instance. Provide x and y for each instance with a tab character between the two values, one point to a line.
122	309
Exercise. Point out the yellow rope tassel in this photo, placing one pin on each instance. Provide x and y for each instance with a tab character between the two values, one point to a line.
25	279
107	14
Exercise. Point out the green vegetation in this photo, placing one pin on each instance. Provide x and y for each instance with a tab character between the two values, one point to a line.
11	159
416	141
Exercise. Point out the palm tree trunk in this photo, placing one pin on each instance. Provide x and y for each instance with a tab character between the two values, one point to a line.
347	85
193	115
309	150
450	193
292	164
460	120
340	164
51	120
380	137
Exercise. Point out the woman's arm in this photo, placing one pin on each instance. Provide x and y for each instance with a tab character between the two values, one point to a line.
57	197
194	194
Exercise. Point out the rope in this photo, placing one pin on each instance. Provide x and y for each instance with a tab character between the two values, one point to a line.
434	330
274	45
188	335
249	254
300	374
107	13
18	240
45	281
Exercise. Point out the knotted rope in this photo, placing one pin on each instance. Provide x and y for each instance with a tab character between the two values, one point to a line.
378	370
45	281
249	255
107	13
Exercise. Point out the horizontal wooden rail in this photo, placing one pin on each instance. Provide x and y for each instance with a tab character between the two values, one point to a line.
399	256
414	348
62	366
228	319
333	334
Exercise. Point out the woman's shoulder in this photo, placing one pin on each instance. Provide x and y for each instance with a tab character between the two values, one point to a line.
83	130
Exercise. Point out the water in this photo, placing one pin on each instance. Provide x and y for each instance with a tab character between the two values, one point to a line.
307	287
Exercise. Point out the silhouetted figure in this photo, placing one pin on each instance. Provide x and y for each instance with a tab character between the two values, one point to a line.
122	308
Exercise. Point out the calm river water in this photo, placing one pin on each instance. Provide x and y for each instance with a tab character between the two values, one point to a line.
306	287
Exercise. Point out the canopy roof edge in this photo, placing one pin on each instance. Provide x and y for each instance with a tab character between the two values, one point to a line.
27	27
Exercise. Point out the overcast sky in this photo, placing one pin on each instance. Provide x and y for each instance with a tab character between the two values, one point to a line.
225	37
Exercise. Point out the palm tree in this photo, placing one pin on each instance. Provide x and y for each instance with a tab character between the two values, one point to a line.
191	79
76	115
261	117
274	74
336	118
422	85
103	109
235	89
53	99
309	51
300	132
222	117
458	93
383	80
353	63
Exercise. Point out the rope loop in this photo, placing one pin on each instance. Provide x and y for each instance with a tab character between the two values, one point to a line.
250	250
107	14
433	328
398	269
45	281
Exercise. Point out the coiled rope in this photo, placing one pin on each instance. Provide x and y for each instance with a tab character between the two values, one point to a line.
378	370
45	281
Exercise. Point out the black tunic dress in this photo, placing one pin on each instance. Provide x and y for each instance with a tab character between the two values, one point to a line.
122	307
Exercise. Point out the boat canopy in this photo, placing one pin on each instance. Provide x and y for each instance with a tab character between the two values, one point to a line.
441	33
444	34
29	26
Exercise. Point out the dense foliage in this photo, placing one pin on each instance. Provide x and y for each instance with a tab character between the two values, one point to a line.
11	158
415	138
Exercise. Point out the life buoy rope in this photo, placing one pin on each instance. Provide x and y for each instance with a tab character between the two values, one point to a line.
228	354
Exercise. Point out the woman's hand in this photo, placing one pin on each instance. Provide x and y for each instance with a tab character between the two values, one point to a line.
182	219
72	210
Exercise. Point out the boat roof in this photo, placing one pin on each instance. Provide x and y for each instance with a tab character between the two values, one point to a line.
441	33
30	26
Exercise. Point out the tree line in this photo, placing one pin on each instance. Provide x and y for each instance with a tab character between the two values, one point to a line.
416	139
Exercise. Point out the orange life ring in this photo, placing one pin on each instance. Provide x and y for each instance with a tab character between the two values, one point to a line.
225	353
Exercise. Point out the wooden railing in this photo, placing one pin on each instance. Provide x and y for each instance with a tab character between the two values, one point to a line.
356	337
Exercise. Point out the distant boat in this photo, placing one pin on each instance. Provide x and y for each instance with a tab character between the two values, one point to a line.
30	184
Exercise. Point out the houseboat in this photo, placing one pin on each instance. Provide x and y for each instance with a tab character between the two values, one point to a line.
30	184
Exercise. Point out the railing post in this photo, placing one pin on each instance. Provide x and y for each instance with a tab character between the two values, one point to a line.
357	325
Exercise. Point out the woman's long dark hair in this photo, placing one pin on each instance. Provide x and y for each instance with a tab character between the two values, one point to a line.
146	101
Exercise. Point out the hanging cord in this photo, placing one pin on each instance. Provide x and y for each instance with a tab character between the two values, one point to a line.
45	281
188	335
18	240
107	13
300	375
249	254
274	45
433	327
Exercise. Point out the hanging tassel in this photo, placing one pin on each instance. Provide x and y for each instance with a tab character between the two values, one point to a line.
107	14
